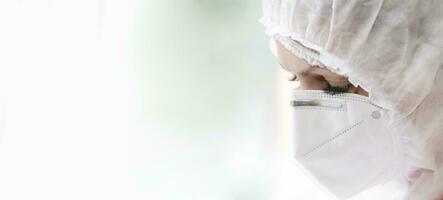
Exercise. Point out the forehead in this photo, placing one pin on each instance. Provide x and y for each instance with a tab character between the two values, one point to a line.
292	63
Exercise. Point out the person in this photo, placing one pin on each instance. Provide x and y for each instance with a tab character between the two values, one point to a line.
368	114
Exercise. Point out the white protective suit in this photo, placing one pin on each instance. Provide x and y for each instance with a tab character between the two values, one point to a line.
394	50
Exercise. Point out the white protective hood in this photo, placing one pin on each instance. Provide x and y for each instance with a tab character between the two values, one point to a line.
394	50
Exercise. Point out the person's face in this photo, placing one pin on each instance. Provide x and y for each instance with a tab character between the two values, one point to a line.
314	77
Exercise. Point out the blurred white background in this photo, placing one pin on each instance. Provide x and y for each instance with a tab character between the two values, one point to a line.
170	100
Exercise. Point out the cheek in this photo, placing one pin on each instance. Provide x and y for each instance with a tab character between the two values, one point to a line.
361	91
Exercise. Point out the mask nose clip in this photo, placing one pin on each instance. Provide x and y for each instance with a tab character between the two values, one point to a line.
316	103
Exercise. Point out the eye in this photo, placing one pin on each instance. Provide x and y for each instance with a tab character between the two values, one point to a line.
333	90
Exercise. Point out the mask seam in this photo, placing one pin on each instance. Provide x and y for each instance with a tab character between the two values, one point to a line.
339	97
342	97
331	139
322	93
321	108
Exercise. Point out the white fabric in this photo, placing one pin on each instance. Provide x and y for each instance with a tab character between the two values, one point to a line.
344	141
394	50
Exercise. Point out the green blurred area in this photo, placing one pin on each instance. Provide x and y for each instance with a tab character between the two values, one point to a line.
208	90
201	62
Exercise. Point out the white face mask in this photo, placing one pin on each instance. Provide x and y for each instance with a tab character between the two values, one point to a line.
343	141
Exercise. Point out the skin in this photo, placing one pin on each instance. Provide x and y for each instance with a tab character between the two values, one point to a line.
312	77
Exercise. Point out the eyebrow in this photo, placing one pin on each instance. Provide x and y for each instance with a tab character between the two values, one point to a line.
308	71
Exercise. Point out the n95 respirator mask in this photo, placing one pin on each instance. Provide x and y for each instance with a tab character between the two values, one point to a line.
343	141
